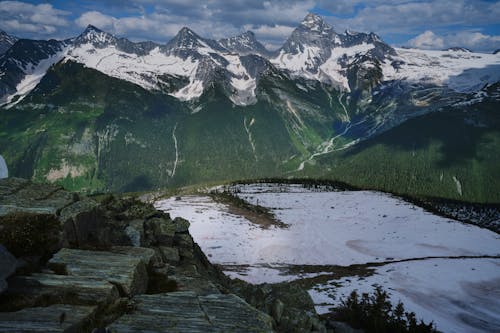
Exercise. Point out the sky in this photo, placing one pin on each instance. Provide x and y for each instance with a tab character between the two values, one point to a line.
422	24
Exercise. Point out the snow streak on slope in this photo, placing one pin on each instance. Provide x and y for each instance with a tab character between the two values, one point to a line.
33	74
141	70
249	133
176	152
146	70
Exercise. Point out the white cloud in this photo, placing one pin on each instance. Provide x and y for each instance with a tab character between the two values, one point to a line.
405	17
271	20
270	32
97	19
427	40
19	17
473	40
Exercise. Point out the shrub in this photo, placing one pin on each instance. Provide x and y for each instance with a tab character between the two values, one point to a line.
375	313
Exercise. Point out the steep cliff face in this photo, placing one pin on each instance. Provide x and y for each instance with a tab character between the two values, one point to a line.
84	263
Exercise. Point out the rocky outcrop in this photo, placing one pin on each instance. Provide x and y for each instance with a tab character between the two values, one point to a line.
188	312
290	305
85	263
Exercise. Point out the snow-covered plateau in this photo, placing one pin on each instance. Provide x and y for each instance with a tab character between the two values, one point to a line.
445	271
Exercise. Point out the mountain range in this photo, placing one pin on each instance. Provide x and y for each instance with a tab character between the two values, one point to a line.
102	113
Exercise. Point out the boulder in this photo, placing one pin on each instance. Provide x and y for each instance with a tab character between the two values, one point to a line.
126	270
170	254
181	225
188	312
8	265
160	231
30	234
289	304
50	319
135	232
82	223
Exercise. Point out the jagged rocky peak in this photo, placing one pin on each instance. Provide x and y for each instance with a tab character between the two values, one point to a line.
188	43
313	32
245	43
95	36
185	39
6	41
314	22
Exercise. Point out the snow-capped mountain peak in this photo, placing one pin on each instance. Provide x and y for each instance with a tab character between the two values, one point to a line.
95	36
243	44
188	64
314	22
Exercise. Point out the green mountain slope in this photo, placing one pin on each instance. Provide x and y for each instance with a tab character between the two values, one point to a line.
91	132
451	154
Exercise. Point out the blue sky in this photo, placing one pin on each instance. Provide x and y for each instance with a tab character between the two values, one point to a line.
424	24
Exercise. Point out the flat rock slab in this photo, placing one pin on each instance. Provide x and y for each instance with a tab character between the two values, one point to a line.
188	312
127	270
74	289
19	195
48	319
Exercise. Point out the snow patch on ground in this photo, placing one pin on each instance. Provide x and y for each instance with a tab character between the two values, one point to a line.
460	295
355	227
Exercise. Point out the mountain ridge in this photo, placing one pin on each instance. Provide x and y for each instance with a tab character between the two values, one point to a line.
193	111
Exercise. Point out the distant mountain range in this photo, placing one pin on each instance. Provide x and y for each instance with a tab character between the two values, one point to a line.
98	112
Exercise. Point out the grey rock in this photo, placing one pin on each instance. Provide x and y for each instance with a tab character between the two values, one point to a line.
170	254
147	255
289	304
40	287
135	231
188	312
127	270
8	265
195	283
160	231
24	196
181	225
30	235
134	235
277	310
184	241
81	221
51	319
